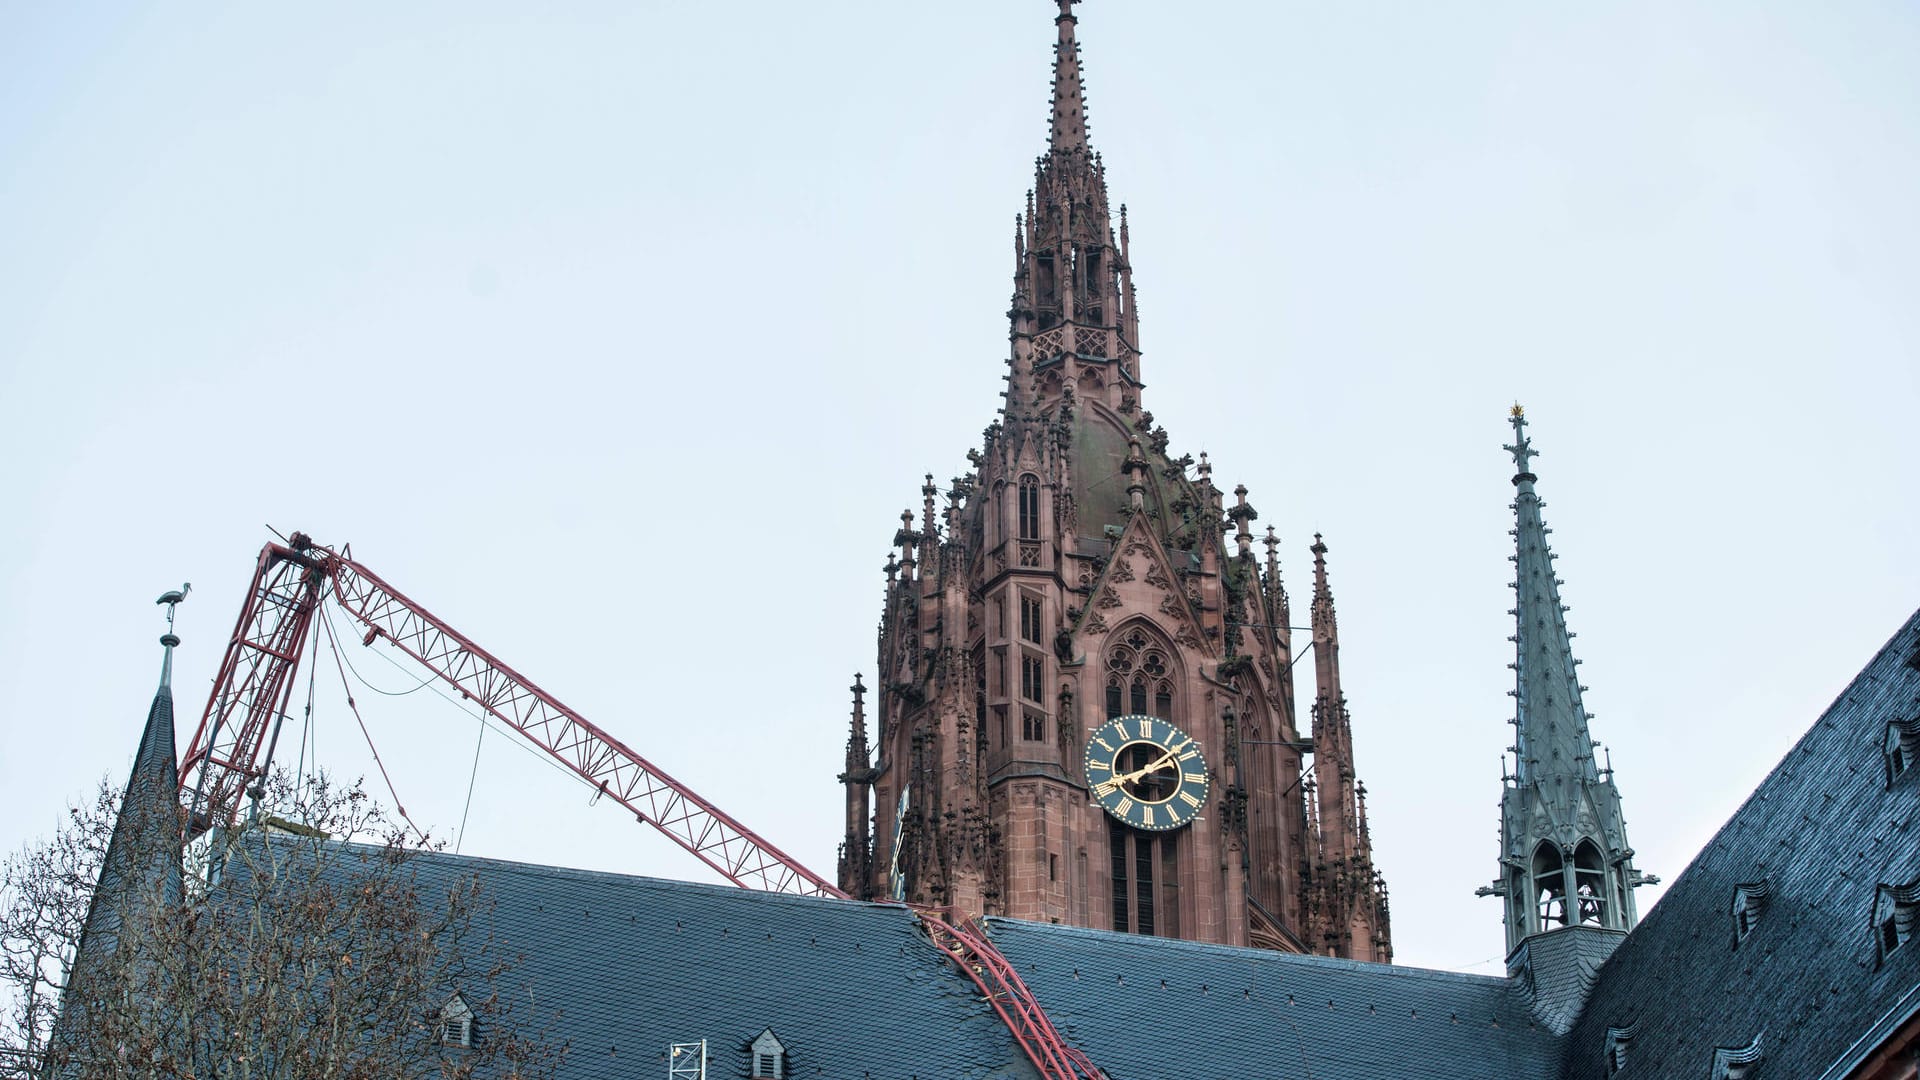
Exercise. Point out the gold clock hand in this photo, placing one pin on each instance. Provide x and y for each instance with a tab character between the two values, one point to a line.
1128	778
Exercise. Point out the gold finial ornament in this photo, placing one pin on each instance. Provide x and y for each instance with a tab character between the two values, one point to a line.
1516	412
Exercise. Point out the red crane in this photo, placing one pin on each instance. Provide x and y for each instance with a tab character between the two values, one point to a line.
233	746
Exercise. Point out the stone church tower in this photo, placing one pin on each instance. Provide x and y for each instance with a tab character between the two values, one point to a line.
1084	707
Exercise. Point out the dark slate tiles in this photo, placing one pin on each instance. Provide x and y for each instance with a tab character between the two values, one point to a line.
1823	830
626	966
1146	1008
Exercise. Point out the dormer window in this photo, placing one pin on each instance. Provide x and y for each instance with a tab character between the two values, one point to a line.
456	1023
769	1057
1737	1062
1749	900
1901	748
1894	908
1618	1039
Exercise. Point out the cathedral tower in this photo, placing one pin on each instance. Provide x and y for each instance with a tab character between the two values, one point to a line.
1084	710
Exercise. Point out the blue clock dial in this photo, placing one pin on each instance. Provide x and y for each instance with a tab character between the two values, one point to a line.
1146	772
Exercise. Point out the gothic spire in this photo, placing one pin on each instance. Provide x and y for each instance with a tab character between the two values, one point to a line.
1553	738
1565	861
856	846
1069	112
1332	734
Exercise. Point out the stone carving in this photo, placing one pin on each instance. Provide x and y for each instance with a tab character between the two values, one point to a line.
1121	571
1157	577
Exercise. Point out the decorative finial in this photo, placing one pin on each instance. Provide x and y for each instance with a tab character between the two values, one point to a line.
1522	447
171	599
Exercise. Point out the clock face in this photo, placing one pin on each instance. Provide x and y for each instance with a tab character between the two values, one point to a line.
1146	772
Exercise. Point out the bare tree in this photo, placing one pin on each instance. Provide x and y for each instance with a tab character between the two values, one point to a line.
320	944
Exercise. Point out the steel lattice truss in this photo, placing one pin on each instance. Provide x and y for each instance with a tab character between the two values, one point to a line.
966	944
232	750
232	747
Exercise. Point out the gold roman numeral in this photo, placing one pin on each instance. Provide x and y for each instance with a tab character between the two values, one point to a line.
1125	807
1189	799
1104	745
1194	777
1146	728
1146	815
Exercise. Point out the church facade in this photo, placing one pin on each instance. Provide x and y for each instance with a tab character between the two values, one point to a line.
1085	704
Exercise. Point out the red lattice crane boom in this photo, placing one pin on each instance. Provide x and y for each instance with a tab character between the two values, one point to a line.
232	750
233	746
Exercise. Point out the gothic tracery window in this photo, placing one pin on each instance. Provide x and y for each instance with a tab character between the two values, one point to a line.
1138	679
1029	508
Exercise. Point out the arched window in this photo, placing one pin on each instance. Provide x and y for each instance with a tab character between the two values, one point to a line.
1139	681
1549	886
1144	866
1590	884
1029	517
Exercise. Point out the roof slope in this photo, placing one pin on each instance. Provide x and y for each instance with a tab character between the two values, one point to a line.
1823	830
1143	1008
626	966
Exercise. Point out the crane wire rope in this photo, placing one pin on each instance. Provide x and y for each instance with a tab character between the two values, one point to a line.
306	719
532	752
485	724
399	807
473	774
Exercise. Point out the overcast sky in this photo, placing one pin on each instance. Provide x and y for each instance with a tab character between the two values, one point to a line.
619	334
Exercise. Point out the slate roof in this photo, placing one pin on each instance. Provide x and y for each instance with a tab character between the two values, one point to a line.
1823	830
1148	1008
624	967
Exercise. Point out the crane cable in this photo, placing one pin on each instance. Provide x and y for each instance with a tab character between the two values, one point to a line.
306	720
334	644
472	775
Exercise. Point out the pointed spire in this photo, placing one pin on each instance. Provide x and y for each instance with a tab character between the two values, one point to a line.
1332	737
857	751
142	863
1553	737
1069	115
1565	861
855	846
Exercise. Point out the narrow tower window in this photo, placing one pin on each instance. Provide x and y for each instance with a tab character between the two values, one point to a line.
1590	884
1030	622
1145	875
1549	887
1033	672
1029	507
